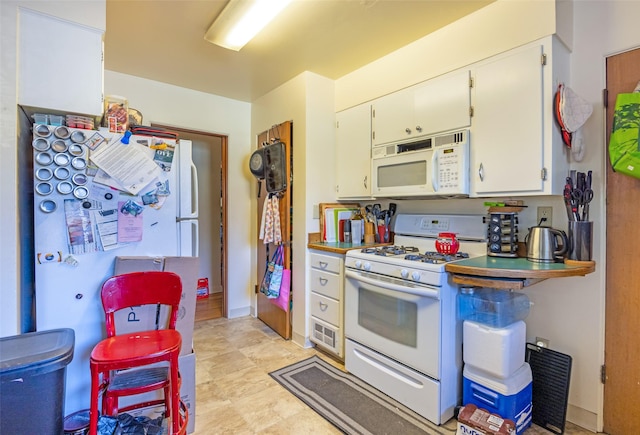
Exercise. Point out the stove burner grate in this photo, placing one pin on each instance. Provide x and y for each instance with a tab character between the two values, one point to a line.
389	250
436	257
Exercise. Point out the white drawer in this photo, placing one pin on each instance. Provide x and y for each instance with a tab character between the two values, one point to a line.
326	262
325	309
325	283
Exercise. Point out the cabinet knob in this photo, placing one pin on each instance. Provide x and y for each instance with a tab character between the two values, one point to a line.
323	264
323	307
79	296
418	128
407	130
323	281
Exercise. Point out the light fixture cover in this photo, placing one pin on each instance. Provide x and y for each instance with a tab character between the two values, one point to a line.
241	20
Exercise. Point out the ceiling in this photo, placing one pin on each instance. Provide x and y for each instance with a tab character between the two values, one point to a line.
163	40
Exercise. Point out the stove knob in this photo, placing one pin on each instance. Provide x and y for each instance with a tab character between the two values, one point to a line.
358	264
367	266
415	276
404	273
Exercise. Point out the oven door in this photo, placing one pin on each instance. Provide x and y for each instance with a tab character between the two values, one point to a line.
396	318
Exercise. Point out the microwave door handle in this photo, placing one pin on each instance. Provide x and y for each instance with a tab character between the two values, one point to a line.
434	171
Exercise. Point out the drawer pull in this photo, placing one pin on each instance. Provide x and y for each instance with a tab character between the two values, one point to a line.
323	307
323	281
323	264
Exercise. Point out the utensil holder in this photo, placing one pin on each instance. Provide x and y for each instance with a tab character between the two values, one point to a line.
580	240
503	235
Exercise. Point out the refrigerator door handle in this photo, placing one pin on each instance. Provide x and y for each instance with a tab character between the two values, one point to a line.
195	208
188	237
196	242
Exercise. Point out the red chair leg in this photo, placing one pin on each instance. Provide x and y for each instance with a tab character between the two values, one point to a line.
175	394
95	392
167	402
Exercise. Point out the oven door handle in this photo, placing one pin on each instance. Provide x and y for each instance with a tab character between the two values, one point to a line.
390	284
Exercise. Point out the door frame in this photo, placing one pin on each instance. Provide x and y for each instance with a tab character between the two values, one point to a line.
224	193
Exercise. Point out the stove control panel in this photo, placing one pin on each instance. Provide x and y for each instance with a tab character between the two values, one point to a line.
434	225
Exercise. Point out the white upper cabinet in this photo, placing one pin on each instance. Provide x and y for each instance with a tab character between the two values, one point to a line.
392	118
515	145
60	64
353	152
437	105
443	103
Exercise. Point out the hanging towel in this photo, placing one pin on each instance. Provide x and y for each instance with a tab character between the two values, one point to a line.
275	210
270	231
266	224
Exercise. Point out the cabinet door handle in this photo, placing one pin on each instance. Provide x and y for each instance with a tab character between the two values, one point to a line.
323	281
365	181
323	264
481	172
407	130
323	307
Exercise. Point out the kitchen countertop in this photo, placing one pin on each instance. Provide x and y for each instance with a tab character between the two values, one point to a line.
341	247
314	242
512	273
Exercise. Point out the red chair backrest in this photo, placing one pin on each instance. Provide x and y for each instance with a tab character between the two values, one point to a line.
140	288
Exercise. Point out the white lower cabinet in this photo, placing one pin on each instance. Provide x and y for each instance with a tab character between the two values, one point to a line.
326	299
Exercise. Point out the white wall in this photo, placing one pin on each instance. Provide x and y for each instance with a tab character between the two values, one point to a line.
89	12
180	107
307	100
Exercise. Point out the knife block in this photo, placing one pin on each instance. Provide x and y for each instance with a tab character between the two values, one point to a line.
502	240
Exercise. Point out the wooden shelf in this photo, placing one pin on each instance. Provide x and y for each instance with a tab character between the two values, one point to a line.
512	273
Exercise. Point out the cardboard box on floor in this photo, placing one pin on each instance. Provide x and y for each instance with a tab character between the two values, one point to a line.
148	317
187	364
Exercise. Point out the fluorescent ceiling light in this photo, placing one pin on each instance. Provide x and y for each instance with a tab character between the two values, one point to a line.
241	20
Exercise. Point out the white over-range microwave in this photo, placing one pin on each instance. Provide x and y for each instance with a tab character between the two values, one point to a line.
436	166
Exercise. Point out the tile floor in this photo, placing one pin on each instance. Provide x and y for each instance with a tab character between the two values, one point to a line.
236	395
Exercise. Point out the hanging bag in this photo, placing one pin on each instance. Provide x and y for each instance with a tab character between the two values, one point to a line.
276	275
624	153
272	279
282	300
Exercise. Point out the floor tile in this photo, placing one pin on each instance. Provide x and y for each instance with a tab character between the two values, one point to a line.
236	395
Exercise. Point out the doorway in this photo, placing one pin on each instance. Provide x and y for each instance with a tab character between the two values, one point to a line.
209	155
622	343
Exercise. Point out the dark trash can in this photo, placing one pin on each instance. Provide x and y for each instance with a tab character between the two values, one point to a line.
32	381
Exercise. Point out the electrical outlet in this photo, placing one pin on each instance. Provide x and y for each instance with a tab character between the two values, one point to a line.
546	214
542	342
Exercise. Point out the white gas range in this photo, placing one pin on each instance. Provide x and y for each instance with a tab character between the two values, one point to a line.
403	333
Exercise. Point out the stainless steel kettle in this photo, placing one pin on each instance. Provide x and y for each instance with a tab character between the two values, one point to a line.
546	245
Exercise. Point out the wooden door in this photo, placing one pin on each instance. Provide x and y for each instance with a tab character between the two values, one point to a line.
622	322
269	313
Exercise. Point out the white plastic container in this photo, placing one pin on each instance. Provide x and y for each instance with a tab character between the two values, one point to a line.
497	351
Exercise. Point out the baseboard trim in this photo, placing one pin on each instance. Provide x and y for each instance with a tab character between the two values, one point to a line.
582	417
240	312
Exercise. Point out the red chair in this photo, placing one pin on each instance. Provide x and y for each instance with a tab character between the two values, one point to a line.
139	349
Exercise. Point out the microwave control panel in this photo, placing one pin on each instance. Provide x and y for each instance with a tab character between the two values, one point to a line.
452	163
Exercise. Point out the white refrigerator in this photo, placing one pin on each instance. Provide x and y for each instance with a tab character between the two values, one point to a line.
77	237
